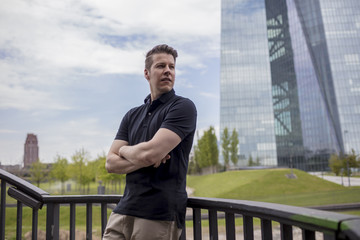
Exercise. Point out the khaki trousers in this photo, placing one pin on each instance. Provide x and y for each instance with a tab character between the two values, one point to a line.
123	227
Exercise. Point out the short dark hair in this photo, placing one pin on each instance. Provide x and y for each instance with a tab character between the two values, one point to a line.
163	48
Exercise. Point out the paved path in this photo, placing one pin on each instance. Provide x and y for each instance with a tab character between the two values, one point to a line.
339	180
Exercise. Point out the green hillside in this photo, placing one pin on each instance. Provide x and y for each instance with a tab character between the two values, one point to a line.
273	185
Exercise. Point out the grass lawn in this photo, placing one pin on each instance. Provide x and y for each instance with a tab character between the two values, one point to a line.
273	185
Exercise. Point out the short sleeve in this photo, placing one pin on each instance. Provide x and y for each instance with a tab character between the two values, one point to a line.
122	133
181	118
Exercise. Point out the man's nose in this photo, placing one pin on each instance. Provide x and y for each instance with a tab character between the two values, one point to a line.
167	69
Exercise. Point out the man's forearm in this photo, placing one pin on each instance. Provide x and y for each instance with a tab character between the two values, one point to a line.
140	154
116	164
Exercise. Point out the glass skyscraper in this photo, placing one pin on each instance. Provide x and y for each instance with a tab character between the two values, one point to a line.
290	79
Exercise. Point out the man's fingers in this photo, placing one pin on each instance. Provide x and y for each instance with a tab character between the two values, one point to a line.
167	157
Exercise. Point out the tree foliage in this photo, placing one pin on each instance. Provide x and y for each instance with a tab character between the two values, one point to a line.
252	163
350	161
109	179
37	172
206	151
60	171
234	147
335	164
343	165
81	172
225	144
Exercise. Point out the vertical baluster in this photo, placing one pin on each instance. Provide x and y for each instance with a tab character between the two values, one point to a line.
2	209
72	220
197	223
213	225
103	217
34	223
230	226
248	228
286	232
308	234
52	221
88	221
266	229
19	211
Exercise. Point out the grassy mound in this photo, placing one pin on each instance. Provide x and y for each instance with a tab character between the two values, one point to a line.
273	185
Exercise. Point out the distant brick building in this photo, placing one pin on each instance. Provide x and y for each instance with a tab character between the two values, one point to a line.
31	150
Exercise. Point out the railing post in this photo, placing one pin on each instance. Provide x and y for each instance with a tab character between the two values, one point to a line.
88	221
19	211
52	221
103	217
2	209
230	226
197	223
34	223
72	221
286	232
308	235
266	230
248	225
213	225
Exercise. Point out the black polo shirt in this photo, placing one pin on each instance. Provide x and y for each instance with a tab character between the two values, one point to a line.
159	193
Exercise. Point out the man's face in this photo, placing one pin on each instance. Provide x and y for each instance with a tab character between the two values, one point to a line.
161	75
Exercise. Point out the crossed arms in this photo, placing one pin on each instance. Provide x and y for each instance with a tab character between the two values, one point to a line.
123	158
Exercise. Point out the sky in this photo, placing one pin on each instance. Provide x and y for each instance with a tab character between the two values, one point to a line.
71	69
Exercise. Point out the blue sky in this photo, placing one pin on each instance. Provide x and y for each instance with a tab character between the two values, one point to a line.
71	69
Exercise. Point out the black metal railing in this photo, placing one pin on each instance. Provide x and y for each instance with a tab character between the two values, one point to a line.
332	225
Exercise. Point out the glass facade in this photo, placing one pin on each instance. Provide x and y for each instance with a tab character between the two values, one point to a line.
245	85
302	89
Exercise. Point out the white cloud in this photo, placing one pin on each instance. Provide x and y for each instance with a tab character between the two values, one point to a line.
20	98
45	42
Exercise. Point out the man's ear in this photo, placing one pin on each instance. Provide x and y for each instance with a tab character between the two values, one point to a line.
146	74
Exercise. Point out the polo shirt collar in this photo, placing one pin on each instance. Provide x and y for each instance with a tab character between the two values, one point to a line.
163	98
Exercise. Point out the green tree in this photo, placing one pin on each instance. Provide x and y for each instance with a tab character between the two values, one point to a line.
336	164
257	162
213	145
234	147
37	172
225	139
251	161
79	169
109	179
206	151
349	162
194	167
60	171
343	164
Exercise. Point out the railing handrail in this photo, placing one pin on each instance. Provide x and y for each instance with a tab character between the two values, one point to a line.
63	199
302	217
23	185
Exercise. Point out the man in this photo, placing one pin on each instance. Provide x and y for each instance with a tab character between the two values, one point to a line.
152	147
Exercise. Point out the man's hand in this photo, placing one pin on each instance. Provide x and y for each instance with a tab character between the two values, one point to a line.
167	157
